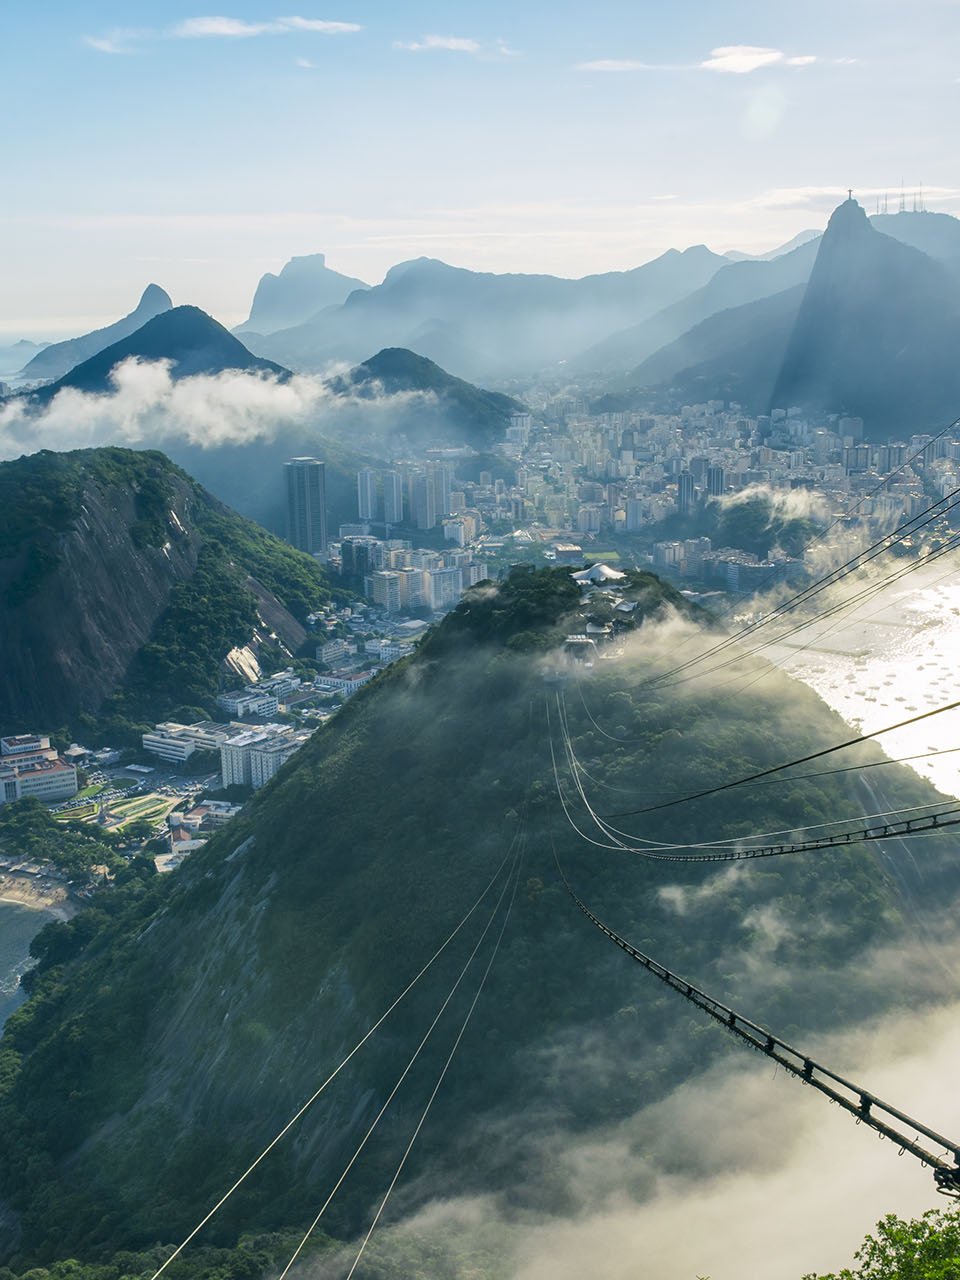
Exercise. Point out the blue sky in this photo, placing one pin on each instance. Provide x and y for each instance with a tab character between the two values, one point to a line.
200	147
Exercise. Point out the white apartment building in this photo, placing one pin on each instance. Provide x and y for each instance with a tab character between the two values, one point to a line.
46	780
249	702
176	743
251	758
29	766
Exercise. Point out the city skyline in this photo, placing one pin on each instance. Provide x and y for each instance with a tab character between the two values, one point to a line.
201	151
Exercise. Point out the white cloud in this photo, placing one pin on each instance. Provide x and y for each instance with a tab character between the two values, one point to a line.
741	59
117	40
734	59
317	24
218	27
233	28
147	406
452	44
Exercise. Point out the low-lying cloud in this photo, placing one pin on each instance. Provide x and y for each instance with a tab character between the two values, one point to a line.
148	406
740	1174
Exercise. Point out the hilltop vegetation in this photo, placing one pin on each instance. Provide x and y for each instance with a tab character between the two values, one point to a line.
924	1248
160	1051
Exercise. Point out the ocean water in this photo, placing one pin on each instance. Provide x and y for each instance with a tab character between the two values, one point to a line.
18	926
893	658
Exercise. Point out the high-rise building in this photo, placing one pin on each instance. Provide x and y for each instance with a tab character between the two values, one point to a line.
367	494
685	492
716	480
386	589
392	497
357	558
423	501
442	476
306	505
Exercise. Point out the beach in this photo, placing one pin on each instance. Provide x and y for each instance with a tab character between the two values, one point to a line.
39	894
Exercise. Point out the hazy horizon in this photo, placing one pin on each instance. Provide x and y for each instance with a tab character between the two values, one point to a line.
206	151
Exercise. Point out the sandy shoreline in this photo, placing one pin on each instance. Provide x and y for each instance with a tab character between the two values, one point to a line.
26	892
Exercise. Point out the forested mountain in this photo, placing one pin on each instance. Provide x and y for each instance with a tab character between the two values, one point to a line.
123	586
60	357
169	1039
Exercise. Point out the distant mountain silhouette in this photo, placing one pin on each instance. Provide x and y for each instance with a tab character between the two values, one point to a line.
60	357
734	285
935	234
16	355
877	333
304	287
499	324
795	242
194	341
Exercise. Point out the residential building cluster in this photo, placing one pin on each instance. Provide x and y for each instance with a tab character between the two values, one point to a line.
615	473
727	568
399	578
29	766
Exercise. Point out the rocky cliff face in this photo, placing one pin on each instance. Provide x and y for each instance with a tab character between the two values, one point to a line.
117	569
68	645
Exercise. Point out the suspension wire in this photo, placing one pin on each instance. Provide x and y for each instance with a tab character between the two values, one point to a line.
862	596
789	764
332	1076
440	1078
853	1098
796	777
841	625
935	511
517	850
741	852
866	593
872	493
729	841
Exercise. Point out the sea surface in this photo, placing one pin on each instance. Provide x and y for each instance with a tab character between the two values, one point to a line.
18	925
895	657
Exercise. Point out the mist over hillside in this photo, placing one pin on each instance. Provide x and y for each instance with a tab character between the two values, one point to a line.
278	944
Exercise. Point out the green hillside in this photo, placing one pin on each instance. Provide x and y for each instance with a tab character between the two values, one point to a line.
160	1051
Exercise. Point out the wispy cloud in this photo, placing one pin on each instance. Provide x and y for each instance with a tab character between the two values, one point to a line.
451	44
217	27
730	59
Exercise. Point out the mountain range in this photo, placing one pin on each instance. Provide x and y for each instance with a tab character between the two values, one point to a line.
870	334
349	430
483	325
876	302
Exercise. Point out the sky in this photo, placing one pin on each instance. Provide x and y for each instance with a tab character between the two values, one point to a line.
199	148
